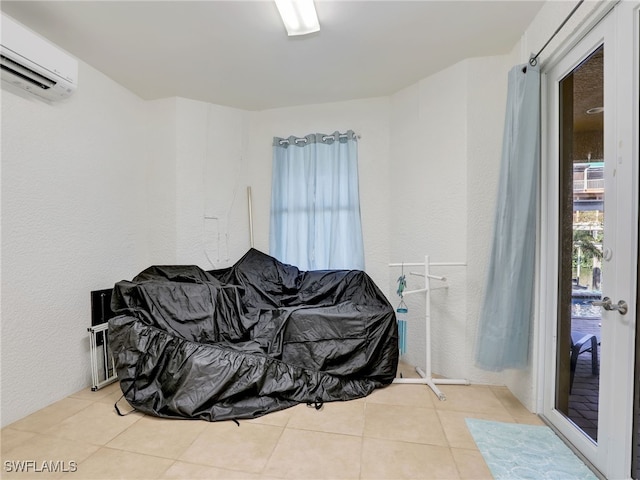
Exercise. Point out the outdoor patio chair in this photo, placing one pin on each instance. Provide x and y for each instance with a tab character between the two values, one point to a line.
581	343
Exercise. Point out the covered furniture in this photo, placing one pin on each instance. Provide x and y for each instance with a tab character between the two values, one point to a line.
251	339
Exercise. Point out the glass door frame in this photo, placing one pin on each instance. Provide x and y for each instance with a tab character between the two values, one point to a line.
612	454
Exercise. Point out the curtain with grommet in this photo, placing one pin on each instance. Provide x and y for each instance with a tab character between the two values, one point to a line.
504	326
315	204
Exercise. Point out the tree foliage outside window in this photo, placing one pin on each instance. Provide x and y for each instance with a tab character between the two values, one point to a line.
587	254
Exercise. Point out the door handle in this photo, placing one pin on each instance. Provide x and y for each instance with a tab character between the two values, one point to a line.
608	305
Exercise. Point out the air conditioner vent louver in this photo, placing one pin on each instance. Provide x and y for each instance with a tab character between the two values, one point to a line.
25	73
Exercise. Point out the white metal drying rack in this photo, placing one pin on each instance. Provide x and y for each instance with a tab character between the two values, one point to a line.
426	378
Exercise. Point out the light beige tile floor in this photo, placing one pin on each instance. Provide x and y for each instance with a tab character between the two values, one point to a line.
401	431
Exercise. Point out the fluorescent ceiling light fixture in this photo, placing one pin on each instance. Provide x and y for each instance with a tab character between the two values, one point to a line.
299	16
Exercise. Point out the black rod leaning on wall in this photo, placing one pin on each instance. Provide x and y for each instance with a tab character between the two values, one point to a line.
533	61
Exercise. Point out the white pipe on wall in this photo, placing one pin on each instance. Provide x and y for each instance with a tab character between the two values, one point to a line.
250	217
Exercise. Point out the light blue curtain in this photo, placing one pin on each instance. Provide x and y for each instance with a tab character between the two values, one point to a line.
315	205
505	318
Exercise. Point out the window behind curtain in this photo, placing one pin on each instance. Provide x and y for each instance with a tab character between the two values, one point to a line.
315	205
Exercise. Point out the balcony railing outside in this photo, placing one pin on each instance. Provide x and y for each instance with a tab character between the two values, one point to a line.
588	185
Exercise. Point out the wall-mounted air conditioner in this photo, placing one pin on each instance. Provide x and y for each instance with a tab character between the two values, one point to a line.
33	64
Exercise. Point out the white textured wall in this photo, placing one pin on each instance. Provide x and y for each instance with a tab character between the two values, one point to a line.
73	220
487	87
211	181
428	209
447	137
220	151
160	181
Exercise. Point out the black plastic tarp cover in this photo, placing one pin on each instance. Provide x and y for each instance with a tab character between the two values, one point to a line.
251	339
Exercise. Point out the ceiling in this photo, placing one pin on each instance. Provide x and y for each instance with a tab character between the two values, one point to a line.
237	53
588	93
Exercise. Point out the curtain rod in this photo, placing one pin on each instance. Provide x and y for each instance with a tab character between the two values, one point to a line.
533	61
324	138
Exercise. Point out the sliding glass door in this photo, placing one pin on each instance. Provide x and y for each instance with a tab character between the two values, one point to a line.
590	228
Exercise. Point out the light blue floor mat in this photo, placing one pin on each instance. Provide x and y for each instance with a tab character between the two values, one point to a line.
515	451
